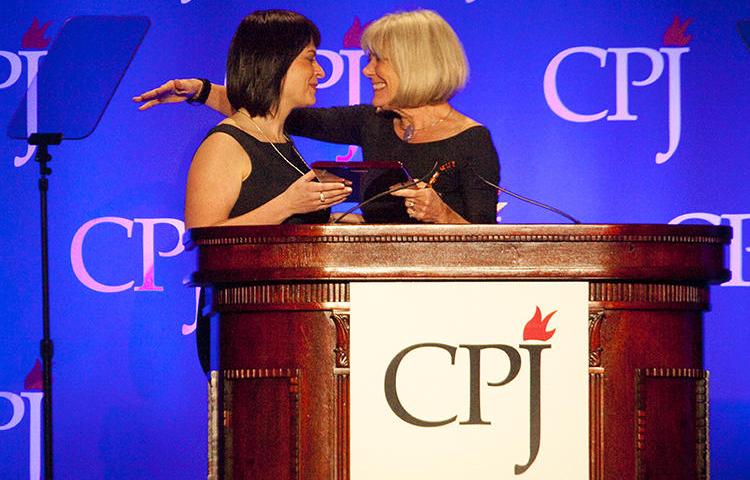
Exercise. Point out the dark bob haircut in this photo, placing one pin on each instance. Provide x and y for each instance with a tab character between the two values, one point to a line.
264	46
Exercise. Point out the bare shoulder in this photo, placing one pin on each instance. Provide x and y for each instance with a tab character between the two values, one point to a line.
220	144
221	151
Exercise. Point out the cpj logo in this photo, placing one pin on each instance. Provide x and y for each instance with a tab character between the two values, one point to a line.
170	229
33	45
534	330
26	405
664	59
148	279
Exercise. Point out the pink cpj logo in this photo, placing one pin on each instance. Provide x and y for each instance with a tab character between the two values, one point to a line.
675	41
148	280
28	404
33	45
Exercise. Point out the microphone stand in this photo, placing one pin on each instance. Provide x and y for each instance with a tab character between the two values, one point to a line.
43	141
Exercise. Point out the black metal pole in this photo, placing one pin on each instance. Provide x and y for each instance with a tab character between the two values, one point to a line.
46	347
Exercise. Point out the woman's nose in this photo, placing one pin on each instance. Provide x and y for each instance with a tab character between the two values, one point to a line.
369	70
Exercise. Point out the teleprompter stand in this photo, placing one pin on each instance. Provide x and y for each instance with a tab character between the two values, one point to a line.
86	62
42	141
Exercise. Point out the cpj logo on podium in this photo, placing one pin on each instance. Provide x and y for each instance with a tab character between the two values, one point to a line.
482	380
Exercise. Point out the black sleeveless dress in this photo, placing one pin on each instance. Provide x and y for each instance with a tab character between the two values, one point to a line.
270	176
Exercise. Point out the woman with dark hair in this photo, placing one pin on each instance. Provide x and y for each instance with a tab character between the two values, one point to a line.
247	171
416	65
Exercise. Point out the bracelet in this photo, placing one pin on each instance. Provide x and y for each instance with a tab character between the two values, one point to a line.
202	96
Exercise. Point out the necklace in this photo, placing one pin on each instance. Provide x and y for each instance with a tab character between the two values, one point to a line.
410	131
274	146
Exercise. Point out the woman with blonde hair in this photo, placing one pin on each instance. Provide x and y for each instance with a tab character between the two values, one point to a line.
416	65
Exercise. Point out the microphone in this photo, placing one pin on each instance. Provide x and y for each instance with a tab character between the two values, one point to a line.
529	200
433	175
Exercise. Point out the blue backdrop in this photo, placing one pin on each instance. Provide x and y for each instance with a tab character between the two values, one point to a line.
617	112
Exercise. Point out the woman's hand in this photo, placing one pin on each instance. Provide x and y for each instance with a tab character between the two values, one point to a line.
174	91
307	195
424	204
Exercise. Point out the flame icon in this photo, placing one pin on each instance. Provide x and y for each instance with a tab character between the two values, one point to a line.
675	35
353	36
536	328
33	380
34	39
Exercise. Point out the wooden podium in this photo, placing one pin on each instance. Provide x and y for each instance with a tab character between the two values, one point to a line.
278	405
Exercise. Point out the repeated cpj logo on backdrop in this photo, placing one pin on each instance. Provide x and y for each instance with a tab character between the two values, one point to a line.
675	41
627	76
345	65
667	58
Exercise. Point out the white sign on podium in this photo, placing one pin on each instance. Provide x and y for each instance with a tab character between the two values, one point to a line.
469	380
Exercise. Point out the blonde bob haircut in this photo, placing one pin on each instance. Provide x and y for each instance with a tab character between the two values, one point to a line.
425	53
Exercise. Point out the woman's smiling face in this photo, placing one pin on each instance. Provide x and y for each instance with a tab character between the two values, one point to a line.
384	80
301	80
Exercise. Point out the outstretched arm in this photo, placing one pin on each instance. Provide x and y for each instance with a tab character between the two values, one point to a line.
336	125
182	89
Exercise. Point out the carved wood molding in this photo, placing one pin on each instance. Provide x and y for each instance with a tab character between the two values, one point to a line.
290	293
283	293
341	320
246	373
451	233
458	239
596	319
700	378
648	293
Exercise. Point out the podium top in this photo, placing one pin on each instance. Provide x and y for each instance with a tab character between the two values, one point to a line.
645	252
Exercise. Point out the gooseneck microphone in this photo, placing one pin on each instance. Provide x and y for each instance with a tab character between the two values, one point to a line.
529	200
435	172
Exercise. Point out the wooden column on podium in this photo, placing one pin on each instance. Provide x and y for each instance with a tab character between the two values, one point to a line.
279	402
